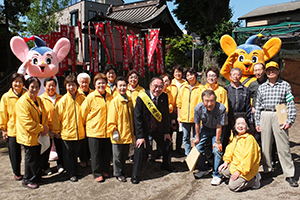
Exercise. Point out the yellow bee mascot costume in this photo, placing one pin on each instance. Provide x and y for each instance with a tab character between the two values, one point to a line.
246	55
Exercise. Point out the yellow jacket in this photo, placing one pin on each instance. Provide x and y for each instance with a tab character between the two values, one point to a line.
94	111
7	112
187	100
135	93
120	118
114	93
243	154
221	94
175	91
170	99
49	106
67	117
30	120
80	91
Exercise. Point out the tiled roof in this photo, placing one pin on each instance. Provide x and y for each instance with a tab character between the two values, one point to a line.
137	13
272	9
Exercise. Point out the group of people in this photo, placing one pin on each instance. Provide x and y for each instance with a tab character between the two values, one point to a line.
119	118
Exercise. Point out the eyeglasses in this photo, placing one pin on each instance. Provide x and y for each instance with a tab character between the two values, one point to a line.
158	86
133	77
211	76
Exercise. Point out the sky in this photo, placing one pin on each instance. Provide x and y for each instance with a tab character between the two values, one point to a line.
239	7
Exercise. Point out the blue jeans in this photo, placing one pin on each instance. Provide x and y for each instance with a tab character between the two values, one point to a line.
186	139
205	135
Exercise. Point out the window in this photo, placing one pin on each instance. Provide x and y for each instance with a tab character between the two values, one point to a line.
74	18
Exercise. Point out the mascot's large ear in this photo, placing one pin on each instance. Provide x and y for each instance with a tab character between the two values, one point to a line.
19	48
228	44
271	48
62	48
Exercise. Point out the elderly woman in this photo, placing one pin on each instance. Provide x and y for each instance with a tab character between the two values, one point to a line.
68	122
50	98
94	114
189	96
241	159
84	80
133	88
32	121
8	119
111	73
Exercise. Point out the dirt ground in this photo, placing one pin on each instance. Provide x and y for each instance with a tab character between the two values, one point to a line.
155	184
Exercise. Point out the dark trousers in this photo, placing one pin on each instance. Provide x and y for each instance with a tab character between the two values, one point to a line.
179	134
59	150
120	154
14	150
71	150
45	157
84	153
32	164
100	149
139	152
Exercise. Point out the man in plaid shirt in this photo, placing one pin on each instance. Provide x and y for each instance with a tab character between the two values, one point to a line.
271	93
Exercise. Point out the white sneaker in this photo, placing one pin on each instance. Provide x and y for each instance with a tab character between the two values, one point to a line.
257	181
60	169
201	173
216	181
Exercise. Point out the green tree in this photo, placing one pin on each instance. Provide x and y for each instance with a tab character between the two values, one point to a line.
176	49
210	19
10	14
43	14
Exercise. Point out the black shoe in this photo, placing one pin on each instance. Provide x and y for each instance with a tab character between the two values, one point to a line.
121	178
73	179
266	175
167	168
292	181
135	179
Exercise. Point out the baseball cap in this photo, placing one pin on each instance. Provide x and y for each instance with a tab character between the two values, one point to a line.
272	64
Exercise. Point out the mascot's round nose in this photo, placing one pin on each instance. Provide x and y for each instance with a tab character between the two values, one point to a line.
247	62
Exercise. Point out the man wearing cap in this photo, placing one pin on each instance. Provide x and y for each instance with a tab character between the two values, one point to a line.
271	93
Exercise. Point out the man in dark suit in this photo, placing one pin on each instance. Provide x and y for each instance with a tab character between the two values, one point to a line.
146	124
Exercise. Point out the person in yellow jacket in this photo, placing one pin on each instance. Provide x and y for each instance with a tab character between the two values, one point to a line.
133	88
111	73
94	115
174	88
69	123
241	159
189	96
84	80
120	128
8	121
50	98
31	121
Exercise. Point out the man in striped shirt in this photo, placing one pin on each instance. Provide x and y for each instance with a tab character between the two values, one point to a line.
271	93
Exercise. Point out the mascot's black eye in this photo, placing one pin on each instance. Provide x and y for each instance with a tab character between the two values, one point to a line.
35	61
254	59
241	58
48	60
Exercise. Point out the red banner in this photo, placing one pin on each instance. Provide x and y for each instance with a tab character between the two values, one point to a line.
136	52
126	53
121	39
141	58
130	42
151	66
112	43
72	48
101	35
153	37
90	48
160	59
81	43
96	61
